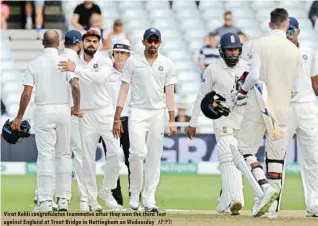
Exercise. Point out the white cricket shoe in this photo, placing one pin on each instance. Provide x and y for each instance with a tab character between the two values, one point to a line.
44	207
84	206
95	207
150	207
235	207
312	212
262	205
54	206
109	199
134	201
62	204
271	213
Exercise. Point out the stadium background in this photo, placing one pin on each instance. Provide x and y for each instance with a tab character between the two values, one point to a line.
183	27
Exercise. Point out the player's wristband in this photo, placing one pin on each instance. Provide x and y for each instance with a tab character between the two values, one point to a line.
117	121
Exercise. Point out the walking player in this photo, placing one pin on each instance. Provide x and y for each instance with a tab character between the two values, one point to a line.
304	123
275	62
121	52
148	77
97	121
52	120
221	78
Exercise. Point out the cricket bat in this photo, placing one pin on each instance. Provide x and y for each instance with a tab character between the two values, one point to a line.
271	124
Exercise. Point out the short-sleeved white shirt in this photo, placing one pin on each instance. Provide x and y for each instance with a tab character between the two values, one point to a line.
309	68
114	87
51	85
147	82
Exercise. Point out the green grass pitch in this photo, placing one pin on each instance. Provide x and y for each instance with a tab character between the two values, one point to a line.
187	192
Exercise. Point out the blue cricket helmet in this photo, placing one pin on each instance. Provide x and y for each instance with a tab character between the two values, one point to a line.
230	41
14	137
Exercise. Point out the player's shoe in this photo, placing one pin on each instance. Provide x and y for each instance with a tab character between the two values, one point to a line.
84	206
134	201
235	207
62	204
54	206
95	207
271	213
312	212
109	199
44	207
151	208
262	205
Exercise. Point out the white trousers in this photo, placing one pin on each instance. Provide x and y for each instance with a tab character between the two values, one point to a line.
76	148
52	134
305	124
146	133
94	124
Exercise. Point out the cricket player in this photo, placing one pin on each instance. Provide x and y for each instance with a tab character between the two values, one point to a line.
120	52
304	123
275	63
221	78
73	46
148	76
52	121
97	121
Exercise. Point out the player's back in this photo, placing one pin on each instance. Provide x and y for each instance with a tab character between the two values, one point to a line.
280	63
50	83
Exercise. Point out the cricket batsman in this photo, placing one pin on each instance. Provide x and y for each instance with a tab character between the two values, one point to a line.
221	78
97	120
275	64
147	77
52	120
304	123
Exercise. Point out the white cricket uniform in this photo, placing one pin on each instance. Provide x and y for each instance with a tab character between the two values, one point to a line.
305	124
97	122
221	79
274	61
52	122
76	145
146	120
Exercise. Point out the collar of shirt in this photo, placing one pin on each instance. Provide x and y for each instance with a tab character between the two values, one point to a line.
70	52
159	59
92	61
227	67
52	51
115	71
278	32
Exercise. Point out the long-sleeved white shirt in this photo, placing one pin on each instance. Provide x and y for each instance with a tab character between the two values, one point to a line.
94	79
51	85
220	78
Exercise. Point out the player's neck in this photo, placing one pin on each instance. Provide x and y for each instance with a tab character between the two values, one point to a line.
150	57
119	67
88	58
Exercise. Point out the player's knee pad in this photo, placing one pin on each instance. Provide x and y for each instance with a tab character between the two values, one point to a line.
224	150
274	172
256	168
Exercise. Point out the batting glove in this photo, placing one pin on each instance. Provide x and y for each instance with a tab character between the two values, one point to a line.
239	97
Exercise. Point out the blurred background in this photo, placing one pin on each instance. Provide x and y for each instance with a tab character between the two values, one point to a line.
190	33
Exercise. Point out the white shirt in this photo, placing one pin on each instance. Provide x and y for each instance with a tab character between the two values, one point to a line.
51	85
114	87
94	78
73	56
309	68
147	81
221	79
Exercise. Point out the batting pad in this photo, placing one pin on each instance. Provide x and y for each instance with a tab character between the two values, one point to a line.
240	163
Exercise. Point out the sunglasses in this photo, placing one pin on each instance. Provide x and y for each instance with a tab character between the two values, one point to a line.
150	41
291	31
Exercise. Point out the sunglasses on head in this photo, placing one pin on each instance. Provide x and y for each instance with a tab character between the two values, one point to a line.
291	31
152	40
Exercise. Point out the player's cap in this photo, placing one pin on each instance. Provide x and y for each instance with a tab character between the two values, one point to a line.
152	31
230	40
122	45
92	32
72	37
293	23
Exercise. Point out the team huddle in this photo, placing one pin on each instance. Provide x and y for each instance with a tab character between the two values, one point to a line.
121	101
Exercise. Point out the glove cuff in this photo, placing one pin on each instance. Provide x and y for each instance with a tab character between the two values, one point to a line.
241	91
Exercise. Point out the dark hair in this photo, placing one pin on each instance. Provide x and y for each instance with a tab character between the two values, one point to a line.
227	13
241	33
212	34
279	16
69	45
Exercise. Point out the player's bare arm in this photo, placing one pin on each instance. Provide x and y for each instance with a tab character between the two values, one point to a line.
314	81
117	126
76	94
24	102
171	106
